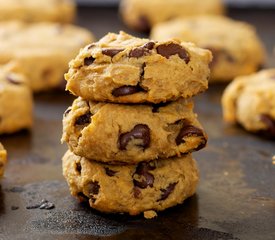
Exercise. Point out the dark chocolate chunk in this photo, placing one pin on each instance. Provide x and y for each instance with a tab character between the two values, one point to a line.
83	119
140	131
110	172
270	123
188	130
142	51
126	90
93	188
88	61
143	24
13	80
111	52
173	49
147	179
78	167
167	191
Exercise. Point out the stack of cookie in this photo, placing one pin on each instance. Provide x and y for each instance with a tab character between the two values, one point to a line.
131	130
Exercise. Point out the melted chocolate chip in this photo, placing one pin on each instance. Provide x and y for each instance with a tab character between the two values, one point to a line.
83	119
173	49
126	90
88	61
270	123
93	188
78	167
166	192
13	80
110	172
143	24
142	170
142	51
140	131
188	130
111	52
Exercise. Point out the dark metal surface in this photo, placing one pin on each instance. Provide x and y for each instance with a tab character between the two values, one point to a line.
235	198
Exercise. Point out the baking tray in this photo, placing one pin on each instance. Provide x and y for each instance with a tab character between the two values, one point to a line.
235	197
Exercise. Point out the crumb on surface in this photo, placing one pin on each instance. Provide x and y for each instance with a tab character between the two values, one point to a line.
150	214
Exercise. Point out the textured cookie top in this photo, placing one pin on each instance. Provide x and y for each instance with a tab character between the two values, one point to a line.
250	100
33	10
123	68
232	42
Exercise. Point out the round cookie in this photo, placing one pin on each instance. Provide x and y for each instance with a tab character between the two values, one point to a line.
3	160
42	50
37	11
133	189
141	15
116	133
250	101
15	101
124	69
236	48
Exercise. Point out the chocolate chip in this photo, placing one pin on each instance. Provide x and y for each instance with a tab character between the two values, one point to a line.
111	52
83	119
67	111
110	172
142	51
140	131
166	192
188	130
143	24
126	90
142	178
78	167
93	187
13	80
156	107
88	61
270	124
173	49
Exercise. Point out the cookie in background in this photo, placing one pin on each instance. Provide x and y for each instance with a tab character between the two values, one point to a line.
16	101
3	160
236	47
41	50
37	11
250	101
141	15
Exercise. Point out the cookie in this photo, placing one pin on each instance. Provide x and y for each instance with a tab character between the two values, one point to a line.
15	101
38	11
125	69
141	15
3	160
250	101
42	50
236	48
116	133
145	187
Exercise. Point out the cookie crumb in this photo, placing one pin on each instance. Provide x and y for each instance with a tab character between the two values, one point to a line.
150	214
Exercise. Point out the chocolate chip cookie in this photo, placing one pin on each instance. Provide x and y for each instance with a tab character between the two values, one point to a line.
42	50
141	15
3	160
15	101
236	48
37	11
117	133
124	69
145	187
250	101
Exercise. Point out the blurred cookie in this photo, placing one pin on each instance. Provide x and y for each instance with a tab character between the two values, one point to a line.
125	69
15	101
118	133
133	189
250	101
42	50
141	15
38	11
3	160
235	46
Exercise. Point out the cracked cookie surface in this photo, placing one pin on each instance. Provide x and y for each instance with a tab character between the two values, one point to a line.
133	189
3	160
16	101
236	48
250	101
124	69
114	133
